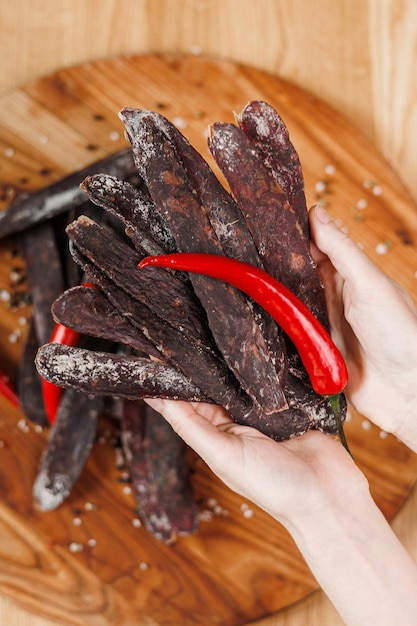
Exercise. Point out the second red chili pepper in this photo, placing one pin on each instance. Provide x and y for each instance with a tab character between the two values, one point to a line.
51	393
321	358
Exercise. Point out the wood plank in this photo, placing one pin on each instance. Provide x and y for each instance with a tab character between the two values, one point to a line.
237	568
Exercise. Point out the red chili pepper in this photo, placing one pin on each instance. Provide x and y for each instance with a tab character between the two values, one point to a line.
321	358
7	390
52	393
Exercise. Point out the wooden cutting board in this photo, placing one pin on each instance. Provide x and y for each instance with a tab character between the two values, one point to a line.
241	565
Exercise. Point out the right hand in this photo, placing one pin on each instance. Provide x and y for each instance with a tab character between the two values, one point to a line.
374	324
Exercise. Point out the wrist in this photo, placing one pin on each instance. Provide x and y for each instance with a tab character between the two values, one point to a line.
355	557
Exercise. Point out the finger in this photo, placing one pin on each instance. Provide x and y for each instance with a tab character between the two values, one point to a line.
202	432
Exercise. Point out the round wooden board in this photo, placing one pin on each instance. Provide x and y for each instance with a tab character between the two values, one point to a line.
237	567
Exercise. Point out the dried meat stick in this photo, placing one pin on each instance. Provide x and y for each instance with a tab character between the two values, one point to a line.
29	384
46	282
144	225
69	445
61	196
45	275
270	137
230	315
168	451
283	246
103	373
72	273
220	208
89	312
160	475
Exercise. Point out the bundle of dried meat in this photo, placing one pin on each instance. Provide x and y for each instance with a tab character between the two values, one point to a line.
221	342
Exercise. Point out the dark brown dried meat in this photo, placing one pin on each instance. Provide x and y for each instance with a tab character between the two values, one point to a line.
61	196
160	475
282	244
69	445
148	231
29	383
269	135
89	312
45	276
102	373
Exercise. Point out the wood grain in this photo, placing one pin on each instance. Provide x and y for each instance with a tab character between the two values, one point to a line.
236	569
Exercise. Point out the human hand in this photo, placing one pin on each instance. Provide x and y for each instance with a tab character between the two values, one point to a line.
312	486
374	324
290	480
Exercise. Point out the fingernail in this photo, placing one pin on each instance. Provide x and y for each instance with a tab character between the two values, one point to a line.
321	214
156	403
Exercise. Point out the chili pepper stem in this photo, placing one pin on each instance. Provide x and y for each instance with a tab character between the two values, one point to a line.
335	404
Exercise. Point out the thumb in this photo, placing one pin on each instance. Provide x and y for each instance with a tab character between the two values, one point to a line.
344	254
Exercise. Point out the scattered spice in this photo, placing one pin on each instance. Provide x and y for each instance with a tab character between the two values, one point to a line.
321	186
90	506
180	122
361	204
330	169
405	237
143	566
23	425
382	248
74	547
369	184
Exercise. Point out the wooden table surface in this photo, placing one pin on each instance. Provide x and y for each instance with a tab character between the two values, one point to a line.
359	57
